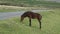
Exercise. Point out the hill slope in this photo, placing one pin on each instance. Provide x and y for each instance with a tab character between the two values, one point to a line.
29	3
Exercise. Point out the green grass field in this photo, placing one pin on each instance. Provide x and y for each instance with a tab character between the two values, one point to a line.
50	24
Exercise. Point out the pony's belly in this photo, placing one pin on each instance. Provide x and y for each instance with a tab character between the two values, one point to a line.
33	17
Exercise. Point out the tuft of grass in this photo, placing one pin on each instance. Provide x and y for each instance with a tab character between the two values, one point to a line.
50	24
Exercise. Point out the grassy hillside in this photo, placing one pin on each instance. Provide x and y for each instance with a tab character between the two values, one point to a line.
50	24
29	3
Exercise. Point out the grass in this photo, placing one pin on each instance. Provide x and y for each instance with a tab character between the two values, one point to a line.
50	24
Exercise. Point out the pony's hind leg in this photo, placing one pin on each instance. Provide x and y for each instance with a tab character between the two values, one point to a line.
39	23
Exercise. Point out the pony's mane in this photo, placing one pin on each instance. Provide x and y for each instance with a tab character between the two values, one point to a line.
28	12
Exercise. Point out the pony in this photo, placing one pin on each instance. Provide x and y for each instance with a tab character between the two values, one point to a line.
31	15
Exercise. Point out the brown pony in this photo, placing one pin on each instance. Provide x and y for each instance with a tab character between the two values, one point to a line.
31	15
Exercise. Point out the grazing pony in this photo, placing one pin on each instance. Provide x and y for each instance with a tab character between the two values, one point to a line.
31	15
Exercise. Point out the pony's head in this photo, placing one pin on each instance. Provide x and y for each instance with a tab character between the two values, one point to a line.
22	18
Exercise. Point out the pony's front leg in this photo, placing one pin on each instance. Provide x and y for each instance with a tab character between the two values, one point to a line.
29	21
